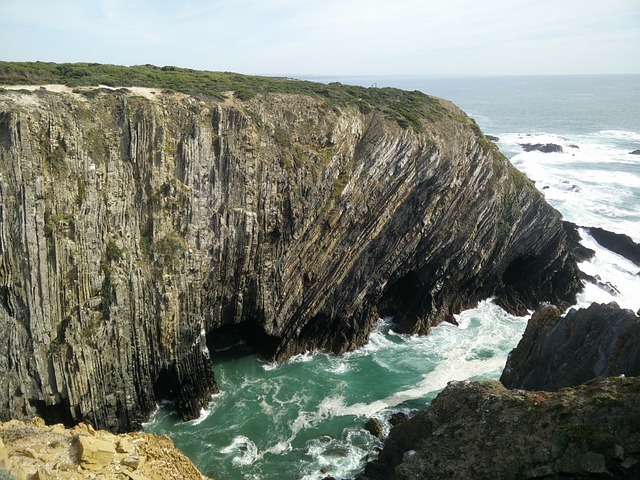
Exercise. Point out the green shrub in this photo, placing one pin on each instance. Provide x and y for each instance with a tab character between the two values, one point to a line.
409	109
114	252
6	475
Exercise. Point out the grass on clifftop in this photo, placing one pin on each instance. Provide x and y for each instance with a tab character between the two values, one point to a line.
409	109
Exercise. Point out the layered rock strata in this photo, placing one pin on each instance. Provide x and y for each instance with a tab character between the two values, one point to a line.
135	225
563	351
482	430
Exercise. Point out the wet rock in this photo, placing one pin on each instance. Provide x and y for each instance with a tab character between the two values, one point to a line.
374	427
562	351
541	147
398	418
492	138
579	252
616	242
635	152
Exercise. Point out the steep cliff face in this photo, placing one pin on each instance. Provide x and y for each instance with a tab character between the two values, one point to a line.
564	351
137	224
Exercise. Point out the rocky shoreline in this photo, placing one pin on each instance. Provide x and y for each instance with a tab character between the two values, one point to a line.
137	229
588	429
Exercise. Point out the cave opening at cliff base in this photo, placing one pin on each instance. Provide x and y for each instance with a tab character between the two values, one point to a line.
239	339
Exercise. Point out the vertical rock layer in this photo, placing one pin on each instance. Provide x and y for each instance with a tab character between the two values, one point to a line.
132	227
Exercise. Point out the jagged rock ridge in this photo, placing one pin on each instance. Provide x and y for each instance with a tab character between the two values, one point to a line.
133	228
483	430
564	351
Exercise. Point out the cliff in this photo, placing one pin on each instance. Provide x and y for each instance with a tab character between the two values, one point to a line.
482	430
564	351
38	452
138	224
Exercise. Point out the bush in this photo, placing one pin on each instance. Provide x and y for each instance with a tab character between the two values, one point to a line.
6	475
114	252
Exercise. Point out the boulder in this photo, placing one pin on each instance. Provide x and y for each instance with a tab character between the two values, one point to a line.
635	152
374	427
564	351
94	454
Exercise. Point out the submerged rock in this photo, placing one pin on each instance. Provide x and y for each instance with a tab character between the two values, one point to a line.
137	228
557	351
482	430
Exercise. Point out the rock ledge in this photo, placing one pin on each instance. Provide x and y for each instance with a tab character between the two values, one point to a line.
38	452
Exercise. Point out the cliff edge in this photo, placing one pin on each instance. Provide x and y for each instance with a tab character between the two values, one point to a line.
483	430
35	451
138	224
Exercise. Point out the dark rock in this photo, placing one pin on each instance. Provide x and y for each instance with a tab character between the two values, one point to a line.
146	228
398	418
541	147
557	352
374	427
579	252
482	430
616	242
574	146
635	152
492	138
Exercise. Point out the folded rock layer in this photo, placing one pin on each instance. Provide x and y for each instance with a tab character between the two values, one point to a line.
136	224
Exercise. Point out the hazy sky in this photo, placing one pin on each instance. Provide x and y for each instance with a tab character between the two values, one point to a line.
331	37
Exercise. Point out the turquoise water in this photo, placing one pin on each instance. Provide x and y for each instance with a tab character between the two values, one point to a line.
303	419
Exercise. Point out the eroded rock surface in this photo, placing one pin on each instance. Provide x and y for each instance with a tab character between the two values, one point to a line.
133	228
34	450
482	430
562	351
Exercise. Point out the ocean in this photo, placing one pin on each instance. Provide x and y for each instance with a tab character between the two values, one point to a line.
303	419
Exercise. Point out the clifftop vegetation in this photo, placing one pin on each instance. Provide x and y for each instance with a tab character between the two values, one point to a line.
407	108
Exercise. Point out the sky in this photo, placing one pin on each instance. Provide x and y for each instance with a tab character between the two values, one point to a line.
331	37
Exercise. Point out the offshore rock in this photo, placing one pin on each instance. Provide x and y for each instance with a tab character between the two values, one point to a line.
617	242
136	225
541	147
557	351
482	430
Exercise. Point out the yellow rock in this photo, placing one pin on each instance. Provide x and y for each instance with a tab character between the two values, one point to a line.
4	455
94	453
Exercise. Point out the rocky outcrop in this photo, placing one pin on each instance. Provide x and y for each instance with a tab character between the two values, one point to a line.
616	242
541	147
557	351
136	225
482	430
39	452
